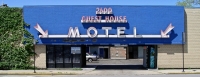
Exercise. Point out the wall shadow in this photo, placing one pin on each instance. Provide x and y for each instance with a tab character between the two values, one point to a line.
116	67
172	35
185	30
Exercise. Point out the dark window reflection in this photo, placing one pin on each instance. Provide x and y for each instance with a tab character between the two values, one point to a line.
59	54
67	54
50	54
50	57
76	58
76	51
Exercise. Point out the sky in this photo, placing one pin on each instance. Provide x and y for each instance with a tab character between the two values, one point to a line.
21	3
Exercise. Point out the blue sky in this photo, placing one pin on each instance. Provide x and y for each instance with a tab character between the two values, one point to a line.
21	3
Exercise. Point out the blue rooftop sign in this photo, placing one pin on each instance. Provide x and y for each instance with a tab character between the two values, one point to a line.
105	24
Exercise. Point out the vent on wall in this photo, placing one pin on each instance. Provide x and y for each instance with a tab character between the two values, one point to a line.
170	53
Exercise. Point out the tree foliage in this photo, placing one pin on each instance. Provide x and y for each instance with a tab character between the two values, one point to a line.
188	3
16	44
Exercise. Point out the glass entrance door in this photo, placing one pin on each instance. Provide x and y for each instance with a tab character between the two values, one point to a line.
101	52
152	57
50	56
76	57
67	57
59	56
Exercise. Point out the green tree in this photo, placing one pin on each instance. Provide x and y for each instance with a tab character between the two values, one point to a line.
188	3
16	43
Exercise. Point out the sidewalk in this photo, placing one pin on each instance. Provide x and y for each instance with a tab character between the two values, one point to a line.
179	71
98	72
43	72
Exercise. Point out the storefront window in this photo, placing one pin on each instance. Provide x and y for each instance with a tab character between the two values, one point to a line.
50	53
59	54
76	51
50	57
76	58
67	54
152	57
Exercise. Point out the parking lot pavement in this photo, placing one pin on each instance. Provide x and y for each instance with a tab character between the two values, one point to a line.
116	64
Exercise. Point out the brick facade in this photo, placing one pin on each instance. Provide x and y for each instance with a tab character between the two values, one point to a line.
169	56
193	38
117	53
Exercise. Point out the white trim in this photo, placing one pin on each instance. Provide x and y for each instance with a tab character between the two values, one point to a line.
104	36
104	21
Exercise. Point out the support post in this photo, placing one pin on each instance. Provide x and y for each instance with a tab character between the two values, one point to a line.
34	42
183	42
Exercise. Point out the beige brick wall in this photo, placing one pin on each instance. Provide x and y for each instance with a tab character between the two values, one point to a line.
193	35
40	60
117	53
169	56
192	48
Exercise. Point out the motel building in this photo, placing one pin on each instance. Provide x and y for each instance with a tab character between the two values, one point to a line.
157	34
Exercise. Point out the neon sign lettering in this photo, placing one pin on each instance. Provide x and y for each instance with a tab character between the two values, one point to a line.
74	33
108	19
103	10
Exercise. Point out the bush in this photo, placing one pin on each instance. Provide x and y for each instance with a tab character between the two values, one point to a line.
15	48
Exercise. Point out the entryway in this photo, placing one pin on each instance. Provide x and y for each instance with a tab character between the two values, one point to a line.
121	57
104	53
146	52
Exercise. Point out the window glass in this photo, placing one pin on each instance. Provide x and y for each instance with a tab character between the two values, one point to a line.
87	49
67	54
76	58
50	54
75	50
59	53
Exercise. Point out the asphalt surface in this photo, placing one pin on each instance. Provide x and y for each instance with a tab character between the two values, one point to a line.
114	65
182	75
103	64
117	62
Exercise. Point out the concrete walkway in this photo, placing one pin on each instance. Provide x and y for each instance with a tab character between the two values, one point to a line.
98	72
43	72
179	71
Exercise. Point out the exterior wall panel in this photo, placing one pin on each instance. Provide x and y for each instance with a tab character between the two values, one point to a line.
192	47
169	56
193	35
40	61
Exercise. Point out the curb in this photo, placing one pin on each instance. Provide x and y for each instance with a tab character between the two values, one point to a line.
38	73
185	73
